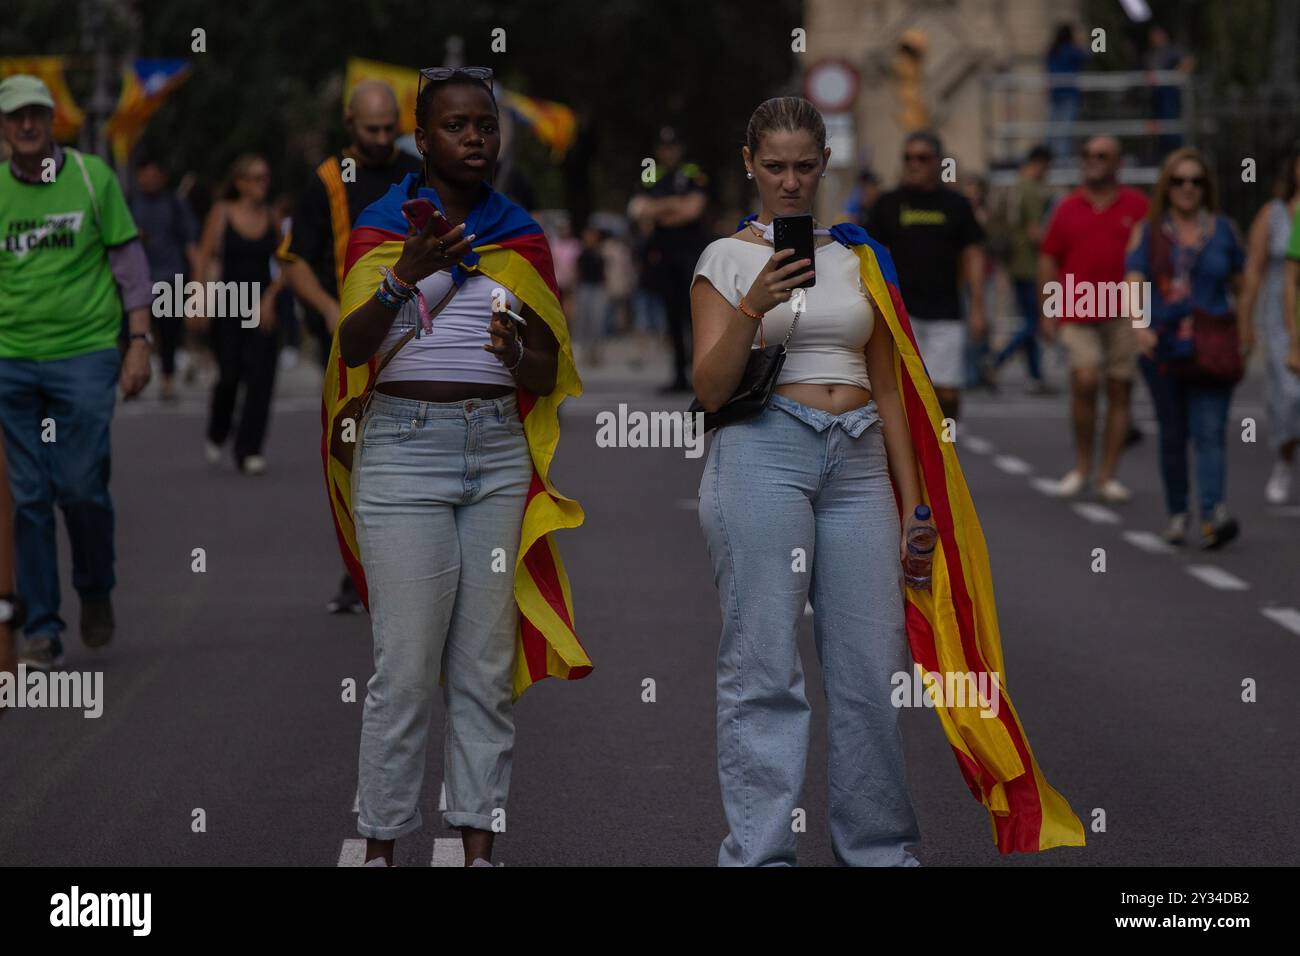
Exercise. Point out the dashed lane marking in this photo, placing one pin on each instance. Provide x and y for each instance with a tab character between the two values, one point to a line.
448	852
1288	617
1044	486
353	853
1095	513
1149	542
1216	577
1012	465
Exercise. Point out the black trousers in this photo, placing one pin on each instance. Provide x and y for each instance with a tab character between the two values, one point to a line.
247	357
669	275
169	331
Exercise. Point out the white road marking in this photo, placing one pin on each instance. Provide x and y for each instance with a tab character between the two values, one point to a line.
976	444
1095	513
1012	465
353	853
1149	542
807	609
1216	577
1044	486
356	802
448	852
442	797
1288	617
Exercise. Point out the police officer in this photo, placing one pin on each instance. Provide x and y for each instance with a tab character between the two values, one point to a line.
670	216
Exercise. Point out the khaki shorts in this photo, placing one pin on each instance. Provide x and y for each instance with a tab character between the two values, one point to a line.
1109	347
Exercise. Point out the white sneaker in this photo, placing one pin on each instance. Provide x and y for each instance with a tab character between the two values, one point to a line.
212	452
254	465
1176	531
1278	488
1071	484
1114	493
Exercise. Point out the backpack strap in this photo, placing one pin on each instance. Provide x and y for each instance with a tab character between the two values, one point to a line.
90	187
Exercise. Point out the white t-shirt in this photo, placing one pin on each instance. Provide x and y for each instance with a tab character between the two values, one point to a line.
453	351
827	347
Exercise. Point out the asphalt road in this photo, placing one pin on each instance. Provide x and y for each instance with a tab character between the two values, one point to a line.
223	689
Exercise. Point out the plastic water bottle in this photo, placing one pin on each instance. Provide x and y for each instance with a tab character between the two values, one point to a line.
920	551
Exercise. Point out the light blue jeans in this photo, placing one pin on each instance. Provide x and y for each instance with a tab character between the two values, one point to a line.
797	480
438	494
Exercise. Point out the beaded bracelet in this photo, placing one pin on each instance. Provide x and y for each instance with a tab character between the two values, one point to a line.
399	288
745	311
400	283
387	298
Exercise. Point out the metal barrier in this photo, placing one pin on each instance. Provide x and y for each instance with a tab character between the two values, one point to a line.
1016	105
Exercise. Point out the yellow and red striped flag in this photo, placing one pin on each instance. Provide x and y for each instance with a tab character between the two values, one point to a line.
953	627
512	250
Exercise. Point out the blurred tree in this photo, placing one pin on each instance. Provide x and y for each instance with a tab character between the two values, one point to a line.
270	78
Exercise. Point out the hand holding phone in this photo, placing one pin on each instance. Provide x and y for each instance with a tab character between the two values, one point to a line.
433	245
796	233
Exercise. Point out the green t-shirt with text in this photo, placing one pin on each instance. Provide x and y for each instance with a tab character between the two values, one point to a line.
58	297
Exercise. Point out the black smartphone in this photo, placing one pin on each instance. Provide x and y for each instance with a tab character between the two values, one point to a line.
796	232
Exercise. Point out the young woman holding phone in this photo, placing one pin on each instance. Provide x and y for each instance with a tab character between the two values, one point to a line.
447	501
797	505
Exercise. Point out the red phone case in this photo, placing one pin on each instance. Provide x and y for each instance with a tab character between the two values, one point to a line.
420	211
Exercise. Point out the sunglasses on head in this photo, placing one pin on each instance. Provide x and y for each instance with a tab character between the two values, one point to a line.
1197	181
436	74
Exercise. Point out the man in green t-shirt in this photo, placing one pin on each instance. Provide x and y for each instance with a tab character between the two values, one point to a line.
70	264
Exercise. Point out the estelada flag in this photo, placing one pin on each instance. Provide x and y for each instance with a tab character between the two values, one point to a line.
510	249
146	83
553	123
953	627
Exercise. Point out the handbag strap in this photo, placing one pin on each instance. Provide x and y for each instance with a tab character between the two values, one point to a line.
798	307
433	312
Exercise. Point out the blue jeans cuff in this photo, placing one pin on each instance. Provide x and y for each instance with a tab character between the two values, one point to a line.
390	833
453	819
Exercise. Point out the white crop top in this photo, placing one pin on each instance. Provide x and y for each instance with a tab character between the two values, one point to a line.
827	345
453	351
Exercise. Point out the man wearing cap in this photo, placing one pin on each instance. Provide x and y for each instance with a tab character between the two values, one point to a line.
670	215
70	263
313	251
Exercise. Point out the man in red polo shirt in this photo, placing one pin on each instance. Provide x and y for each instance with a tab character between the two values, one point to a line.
1081	255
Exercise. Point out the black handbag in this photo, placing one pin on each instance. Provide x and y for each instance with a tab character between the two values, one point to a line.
756	382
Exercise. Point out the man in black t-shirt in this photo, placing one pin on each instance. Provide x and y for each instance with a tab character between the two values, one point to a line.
334	197
314	250
670	215
935	242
